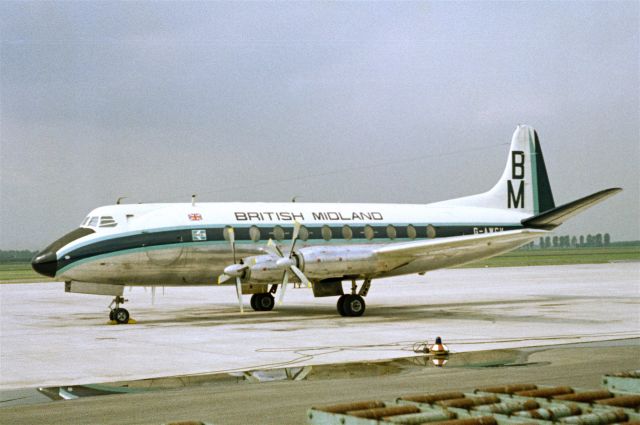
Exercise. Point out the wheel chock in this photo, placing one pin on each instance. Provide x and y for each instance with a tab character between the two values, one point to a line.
130	322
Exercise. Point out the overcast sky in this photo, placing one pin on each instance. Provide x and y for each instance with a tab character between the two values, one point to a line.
329	101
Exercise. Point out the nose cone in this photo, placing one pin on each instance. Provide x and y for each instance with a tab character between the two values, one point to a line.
45	263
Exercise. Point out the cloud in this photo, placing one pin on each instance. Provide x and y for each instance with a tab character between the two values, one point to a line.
160	100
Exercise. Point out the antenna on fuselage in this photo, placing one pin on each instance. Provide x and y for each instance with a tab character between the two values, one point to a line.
120	199
294	198
193	200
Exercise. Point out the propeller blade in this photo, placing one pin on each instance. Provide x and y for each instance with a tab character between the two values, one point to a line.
273	249
223	278
285	280
239	292
294	238
300	276
296	229
232	241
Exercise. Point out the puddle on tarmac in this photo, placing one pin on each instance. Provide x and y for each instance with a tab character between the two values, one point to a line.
496	358
416	364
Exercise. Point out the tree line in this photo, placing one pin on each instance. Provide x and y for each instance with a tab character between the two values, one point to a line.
13	255
568	241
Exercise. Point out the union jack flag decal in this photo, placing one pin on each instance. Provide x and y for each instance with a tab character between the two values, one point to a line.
195	217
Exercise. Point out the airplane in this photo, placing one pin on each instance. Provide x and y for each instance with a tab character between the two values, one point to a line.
262	247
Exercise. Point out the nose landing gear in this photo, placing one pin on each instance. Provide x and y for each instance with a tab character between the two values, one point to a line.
118	314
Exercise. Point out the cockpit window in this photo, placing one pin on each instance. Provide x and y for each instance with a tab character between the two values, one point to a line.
104	221
68	238
107	221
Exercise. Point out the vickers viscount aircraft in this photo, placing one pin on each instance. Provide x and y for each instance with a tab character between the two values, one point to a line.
262	247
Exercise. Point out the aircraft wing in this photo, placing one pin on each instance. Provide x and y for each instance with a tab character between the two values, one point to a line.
456	249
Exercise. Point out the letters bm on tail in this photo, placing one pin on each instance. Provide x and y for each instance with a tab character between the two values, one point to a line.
524	187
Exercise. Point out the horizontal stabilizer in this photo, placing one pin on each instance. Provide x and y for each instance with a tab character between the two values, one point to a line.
556	216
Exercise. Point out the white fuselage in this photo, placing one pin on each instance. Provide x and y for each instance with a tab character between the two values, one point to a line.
185	244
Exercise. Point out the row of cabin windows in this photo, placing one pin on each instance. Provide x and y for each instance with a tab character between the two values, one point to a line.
326	232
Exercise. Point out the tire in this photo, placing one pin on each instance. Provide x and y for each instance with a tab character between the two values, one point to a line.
121	315
340	305
354	306
265	302
112	315
262	302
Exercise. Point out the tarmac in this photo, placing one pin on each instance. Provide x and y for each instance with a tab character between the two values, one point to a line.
51	338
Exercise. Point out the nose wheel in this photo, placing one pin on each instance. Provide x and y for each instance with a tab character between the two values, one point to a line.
118	314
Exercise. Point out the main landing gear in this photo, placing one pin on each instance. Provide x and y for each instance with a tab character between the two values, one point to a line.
262	302
353	305
118	314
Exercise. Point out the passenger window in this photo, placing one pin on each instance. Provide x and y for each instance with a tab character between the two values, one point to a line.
225	233
304	233
326	232
368	232
411	232
391	231
278	233
254	233
347	233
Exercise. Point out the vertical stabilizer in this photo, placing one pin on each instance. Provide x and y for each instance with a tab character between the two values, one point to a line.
524	186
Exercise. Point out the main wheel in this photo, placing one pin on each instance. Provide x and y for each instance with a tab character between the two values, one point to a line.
121	315
112	315
340	305
265	302
262	302
353	305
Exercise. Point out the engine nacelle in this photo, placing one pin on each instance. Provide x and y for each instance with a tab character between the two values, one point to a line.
324	262
317	263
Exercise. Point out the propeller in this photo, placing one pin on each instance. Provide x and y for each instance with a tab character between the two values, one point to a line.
235	270
288	262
